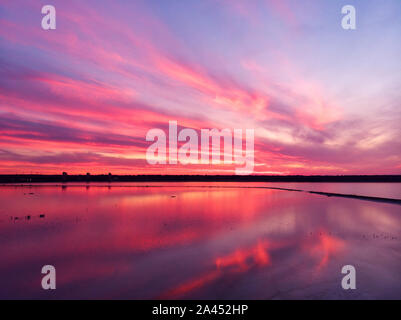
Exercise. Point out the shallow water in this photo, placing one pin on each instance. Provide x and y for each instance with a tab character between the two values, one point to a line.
182	240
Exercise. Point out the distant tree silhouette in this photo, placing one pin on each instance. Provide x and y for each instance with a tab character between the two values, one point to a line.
64	177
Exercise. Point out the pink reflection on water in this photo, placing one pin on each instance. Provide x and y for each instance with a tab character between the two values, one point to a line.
146	242
324	247
243	259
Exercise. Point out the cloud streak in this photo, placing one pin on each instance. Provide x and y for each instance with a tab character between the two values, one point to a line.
86	94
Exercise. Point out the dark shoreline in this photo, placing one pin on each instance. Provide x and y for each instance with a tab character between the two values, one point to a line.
114	185
31	178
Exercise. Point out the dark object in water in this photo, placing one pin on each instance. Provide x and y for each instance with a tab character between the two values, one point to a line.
173	196
41	216
353	196
28	217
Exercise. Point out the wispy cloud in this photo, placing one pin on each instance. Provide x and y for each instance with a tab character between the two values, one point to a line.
86	93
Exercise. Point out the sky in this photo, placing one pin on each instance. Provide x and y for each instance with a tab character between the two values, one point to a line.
81	98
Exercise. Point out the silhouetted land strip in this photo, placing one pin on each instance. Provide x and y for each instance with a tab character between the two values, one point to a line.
31	178
353	196
108	184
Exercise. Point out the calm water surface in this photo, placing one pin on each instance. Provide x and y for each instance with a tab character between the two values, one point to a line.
185	240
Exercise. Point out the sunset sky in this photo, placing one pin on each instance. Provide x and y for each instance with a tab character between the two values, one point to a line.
81	98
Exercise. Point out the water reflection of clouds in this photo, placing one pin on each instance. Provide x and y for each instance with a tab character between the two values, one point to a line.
141	243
